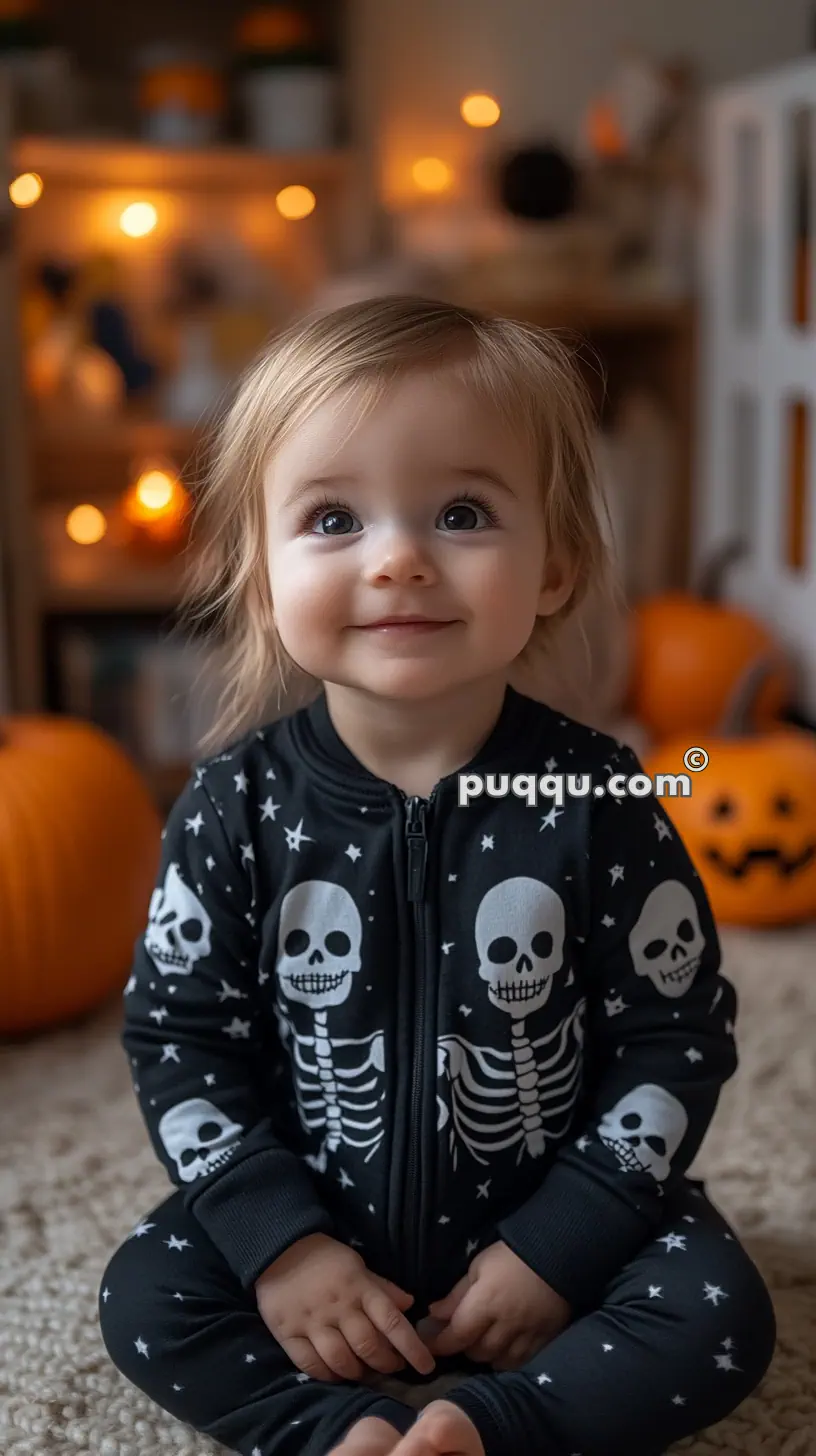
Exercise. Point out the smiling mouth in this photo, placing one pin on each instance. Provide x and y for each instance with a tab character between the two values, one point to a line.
768	854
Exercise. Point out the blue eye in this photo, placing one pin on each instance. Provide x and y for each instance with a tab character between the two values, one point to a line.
335	523
463	514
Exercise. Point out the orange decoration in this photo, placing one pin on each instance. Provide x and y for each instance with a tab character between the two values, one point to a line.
604	130
749	823
689	651
274	28
79	852
196	88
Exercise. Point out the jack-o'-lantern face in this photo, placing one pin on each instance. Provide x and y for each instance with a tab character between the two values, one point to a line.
749	824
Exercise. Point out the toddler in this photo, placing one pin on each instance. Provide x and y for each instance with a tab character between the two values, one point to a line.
426	1047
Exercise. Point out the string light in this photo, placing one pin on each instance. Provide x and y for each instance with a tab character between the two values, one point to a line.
431	174
295	202
478	109
138	219
86	525
26	189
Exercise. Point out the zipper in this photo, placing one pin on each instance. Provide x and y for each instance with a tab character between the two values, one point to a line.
411	1204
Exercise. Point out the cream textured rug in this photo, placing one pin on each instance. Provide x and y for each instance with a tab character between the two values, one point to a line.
76	1172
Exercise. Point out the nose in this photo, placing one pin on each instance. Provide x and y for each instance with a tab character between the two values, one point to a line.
399	556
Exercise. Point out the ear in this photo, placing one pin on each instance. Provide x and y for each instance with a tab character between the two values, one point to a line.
558	584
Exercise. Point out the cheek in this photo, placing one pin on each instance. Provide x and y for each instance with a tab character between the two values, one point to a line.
305	588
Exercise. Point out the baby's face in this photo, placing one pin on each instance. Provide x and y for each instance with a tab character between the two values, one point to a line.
401	538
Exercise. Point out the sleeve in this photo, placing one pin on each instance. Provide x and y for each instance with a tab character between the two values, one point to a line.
195	1038
659	1047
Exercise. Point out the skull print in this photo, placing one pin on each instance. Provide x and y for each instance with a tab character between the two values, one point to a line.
520	928
666	942
644	1130
198	1137
319	941
179	929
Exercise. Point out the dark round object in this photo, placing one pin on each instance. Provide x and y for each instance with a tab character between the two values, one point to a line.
539	183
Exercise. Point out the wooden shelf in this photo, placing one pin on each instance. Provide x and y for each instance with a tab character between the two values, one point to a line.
105	577
587	313
110	162
80	458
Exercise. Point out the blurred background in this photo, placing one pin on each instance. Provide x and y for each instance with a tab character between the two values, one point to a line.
183	178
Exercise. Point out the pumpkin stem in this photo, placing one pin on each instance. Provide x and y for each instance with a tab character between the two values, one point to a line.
736	722
709	586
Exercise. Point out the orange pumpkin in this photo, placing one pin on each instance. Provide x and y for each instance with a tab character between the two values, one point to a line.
80	840
688	653
749	822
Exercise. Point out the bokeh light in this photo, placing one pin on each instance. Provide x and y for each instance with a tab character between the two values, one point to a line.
479	109
431	174
86	525
295	202
26	189
138	219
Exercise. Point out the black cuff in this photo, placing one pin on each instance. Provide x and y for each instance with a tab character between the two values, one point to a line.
575	1235
504	1423
254	1212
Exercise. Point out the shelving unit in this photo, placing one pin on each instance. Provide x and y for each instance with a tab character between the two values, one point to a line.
60	456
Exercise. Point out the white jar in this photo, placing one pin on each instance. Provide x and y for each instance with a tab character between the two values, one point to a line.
290	109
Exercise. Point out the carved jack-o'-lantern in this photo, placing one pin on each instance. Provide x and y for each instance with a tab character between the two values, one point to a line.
750	821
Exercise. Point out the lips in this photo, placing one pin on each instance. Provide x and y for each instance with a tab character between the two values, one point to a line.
408	622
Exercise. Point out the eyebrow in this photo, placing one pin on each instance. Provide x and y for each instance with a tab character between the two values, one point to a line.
339	482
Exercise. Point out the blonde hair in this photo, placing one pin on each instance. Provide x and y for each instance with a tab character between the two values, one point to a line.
353	354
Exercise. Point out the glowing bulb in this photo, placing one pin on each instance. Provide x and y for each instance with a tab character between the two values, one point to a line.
155	490
295	202
431	174
480	110
138	219
26	189
86	525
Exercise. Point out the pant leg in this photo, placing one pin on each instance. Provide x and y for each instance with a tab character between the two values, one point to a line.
684	1334
177	1324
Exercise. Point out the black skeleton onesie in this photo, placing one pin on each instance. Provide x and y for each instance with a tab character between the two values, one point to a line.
420	1027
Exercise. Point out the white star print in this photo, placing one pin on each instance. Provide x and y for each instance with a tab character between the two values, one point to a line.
663	830
616	1006
141	1347
617	873
451	879
606	1348
210	1079
106	1295
447	946
548	820
296	837
353	853
344	1180
159	1014
608	921
674	1241
678	1400
178	1296
551	765
170	1052
269	809
174	1243
727	1344
270	773
487	842
229	992
713	1293
241	782
655	1291
724	1362
140	1230
687	1218
472	1246
237	1028
544	1379
693	1055
178	1387
482	1189
466	1010
247	852
210	862
582	1144
250	1359
195	824
444	1218
131	986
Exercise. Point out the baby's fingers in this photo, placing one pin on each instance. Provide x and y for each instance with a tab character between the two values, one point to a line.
384	1314
466	1328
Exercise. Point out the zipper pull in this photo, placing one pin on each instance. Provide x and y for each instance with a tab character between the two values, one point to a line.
415	834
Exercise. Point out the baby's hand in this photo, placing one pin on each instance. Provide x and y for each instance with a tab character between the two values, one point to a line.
501	1313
